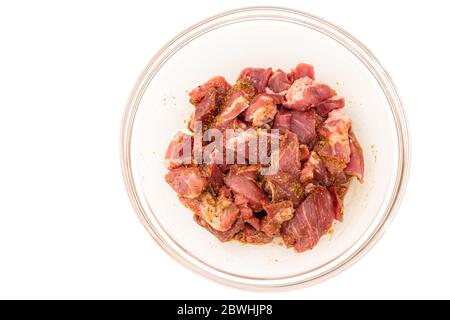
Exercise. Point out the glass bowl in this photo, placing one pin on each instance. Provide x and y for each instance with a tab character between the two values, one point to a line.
263	37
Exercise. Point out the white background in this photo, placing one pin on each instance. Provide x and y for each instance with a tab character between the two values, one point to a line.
67	229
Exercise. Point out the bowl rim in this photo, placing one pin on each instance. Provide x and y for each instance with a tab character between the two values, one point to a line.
321	25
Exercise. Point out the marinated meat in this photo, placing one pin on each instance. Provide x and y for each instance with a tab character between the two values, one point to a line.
313	158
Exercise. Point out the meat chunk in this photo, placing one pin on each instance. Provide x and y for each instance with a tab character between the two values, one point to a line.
242	182
277	213
221	235
235	105
278	83
305	93
188	182
303	124
248	217
179	151
262	110
204	110
289	153
282	121
335	149
218	85
314	170
300	71
330	104
219	212
259	77
355	167
337	204
251	235
284	186
245	87
214	175
312	219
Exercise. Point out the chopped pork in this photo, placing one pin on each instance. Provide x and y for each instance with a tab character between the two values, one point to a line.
315	157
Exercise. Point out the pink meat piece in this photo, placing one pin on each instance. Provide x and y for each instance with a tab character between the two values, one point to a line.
355	167
303	124
279	82
282	120
300	71
337	204
204	109
217	85
179	151
242	182
312	219
262	110
215	176
314	170
234	106
221	235
277	213
229	217
283	186
246	212
305	93
330	104
259	77
219	212
289	153
248	217
188	182
335	149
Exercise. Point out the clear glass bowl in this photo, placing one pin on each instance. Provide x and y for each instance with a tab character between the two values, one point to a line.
280	38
